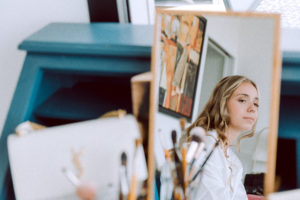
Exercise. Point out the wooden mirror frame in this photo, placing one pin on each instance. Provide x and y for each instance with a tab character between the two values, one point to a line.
269	180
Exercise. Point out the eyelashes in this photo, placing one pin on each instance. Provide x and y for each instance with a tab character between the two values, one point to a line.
245	101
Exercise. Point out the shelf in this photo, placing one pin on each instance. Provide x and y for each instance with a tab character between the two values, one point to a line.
84	101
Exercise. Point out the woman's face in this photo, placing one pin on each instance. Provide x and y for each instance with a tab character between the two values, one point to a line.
243	107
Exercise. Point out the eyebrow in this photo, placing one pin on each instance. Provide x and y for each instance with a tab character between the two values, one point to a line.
256	98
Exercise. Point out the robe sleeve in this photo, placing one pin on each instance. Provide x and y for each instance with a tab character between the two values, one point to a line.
214	183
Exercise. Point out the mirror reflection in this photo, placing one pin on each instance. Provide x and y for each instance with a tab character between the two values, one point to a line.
214	75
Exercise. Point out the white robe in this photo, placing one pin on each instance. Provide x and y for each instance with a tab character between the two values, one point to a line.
214	182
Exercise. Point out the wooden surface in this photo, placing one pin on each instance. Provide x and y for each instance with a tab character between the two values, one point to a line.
274	111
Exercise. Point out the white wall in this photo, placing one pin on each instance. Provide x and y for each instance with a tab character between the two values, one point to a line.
290	40
20	19
256	53
241	5
255	61
227	37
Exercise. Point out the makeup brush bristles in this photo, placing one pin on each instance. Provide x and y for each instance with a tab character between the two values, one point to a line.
138	142
182	122
174	137
124	158
195	138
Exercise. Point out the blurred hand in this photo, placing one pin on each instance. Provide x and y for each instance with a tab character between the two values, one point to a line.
86	191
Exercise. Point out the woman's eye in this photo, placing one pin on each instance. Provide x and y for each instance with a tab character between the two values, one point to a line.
256	105
242	100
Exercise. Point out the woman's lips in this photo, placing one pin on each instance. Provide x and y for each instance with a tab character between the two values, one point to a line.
249	118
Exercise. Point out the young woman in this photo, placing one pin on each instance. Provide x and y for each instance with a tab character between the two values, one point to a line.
231	110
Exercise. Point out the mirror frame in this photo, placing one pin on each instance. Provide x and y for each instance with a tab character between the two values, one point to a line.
269	180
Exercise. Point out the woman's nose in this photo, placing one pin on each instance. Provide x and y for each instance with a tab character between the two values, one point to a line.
251	107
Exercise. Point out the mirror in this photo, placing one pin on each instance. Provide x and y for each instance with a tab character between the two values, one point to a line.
192	52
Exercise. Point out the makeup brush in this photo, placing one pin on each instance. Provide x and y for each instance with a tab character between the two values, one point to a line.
196	146
133	184
124	187
174	140
167	192
177	161
207	158
184	166
169	159
195	140
71	177
86	191
184	137
182	122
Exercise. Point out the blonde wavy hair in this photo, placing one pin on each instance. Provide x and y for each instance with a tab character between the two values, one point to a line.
215	114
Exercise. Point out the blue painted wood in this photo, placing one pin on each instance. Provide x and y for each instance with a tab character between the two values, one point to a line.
156	195
289	125
91	39
74	51
291	56
289	117
19	111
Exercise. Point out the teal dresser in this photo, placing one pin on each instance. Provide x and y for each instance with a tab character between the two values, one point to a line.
74	72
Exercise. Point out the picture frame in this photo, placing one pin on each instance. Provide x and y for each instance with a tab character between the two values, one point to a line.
181	45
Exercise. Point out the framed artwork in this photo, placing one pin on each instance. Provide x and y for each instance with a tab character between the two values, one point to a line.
181	43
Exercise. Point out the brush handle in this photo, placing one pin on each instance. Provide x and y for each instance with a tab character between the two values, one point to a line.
179	169
200	169
71	177
184	168
132	193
